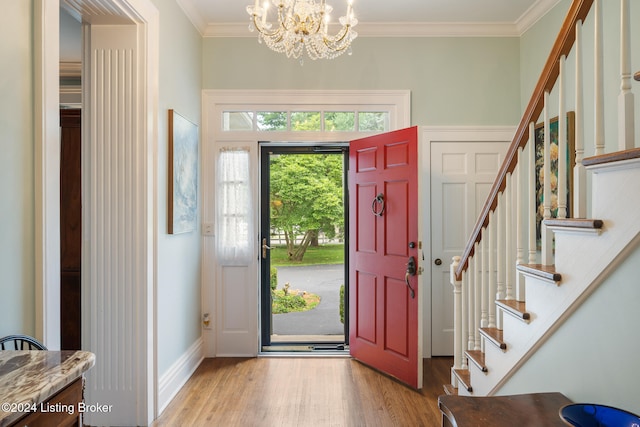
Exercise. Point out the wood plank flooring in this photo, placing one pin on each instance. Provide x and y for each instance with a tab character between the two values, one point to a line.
274	391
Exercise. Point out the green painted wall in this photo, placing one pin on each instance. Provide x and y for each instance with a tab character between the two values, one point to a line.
178	274
17	195
453	81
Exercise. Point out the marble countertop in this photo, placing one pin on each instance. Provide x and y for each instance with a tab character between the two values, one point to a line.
35	376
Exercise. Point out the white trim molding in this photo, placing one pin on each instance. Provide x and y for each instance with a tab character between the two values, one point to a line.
119	224
47	171
538	9
170	383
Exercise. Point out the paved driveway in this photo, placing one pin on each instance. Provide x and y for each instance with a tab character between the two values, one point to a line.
322	280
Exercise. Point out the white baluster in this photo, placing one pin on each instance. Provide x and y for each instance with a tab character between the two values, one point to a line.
491	230
464	334
562	143
484	284
519	193
547	236
531	186
457	313
598	77
500	255
471	341
478	294
508	217
626	126
579	172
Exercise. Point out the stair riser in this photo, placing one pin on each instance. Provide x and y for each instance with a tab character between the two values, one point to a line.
567	241
463	392
494	360
540	297
515	331
615	187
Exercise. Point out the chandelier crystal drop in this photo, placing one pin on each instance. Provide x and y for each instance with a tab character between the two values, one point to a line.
302	25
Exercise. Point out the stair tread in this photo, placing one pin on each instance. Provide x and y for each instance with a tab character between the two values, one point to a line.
464	377
450	390
547	272
477	357
494	335
515	308
581	223
633	153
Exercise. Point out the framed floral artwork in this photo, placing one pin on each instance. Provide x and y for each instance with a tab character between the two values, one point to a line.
539	154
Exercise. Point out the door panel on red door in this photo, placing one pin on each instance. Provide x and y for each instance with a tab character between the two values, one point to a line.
396	220
365	312
385	316
365	229
397	322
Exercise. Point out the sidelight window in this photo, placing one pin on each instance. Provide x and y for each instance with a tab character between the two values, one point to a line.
234	207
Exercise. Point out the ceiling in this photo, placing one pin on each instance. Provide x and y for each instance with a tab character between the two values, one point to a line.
219	18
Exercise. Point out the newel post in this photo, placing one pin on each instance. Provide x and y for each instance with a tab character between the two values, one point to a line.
457	314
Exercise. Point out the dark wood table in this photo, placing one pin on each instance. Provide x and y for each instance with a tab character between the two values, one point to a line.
535	410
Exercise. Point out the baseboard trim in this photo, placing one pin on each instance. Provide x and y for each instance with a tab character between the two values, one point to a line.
172	381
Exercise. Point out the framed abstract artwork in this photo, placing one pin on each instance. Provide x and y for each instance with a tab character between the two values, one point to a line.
182	174
555	155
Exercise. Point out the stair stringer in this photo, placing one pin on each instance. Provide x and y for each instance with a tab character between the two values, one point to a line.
584	260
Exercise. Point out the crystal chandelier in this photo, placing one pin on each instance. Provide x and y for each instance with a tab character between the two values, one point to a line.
302	25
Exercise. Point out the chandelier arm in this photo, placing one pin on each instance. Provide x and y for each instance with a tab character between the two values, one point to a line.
262	30
318	24
338	37
283	19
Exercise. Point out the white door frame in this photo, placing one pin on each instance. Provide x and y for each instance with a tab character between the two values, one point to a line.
47	171
430	135
144	15
232	293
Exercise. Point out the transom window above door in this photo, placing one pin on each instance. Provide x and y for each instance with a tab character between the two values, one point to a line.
306	121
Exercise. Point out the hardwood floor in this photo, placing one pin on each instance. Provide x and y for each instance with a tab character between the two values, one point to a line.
304	392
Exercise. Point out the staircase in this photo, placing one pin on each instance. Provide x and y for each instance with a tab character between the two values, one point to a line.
521	277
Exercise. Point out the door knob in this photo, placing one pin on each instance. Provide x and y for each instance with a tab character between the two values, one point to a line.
438	261
265	247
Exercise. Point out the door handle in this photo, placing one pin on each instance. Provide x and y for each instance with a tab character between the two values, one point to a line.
411	266
265	247
411	271
379	199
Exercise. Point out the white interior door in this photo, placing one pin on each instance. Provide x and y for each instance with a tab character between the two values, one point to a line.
461	176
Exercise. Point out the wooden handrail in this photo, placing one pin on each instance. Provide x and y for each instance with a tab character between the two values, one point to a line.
566	37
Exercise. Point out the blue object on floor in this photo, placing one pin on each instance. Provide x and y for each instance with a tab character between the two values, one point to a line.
592	415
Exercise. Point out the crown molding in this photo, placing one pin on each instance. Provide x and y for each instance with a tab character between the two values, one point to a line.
394	29
534	14
437	29
193	15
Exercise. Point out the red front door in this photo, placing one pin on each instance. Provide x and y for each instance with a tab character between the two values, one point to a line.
384	301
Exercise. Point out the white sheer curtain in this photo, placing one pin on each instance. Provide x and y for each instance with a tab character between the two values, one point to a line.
234	210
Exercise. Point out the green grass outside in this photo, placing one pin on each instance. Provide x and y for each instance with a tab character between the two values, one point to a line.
323	254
